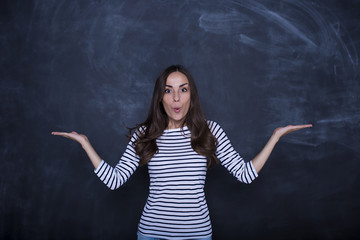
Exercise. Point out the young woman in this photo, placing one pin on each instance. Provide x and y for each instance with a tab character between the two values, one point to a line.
178	144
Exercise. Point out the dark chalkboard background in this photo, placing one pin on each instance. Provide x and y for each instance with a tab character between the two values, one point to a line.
90	66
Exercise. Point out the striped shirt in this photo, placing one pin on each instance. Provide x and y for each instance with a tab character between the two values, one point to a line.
176	207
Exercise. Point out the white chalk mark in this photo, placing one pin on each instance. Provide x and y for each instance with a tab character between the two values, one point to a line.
277	19
252	42
260	45
224	23
343	45
340	119
298	142
286	25
329	32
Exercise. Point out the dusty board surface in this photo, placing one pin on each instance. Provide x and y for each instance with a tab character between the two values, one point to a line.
90	67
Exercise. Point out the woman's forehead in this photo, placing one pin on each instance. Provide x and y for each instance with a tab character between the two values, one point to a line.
176	79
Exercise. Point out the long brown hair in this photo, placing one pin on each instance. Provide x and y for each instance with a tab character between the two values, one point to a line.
202	140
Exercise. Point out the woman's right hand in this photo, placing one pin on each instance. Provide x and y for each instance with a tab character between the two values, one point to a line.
84	141
80	138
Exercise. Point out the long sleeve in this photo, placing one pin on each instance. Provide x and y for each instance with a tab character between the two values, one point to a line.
115	177
229	158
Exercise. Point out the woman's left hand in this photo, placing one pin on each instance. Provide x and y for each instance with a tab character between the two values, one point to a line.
282	131
262	157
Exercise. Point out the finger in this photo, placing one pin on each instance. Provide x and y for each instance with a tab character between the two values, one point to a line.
58	133
63	134
303	126
299	126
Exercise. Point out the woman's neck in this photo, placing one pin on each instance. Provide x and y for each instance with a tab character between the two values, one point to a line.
175	124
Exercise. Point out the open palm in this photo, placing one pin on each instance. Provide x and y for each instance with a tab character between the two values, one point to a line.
282	131
80	138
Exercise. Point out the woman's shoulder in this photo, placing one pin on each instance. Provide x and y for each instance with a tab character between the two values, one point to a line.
136	132
213	126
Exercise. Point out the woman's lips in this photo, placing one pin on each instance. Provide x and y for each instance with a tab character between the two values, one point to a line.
177	109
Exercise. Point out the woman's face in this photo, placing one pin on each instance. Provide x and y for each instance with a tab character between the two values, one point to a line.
176	100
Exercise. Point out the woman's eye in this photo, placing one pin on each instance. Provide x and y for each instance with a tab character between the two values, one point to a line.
167	91
184	90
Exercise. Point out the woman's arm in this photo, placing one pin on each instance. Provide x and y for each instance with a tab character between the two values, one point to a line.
230	158
260	159
85	143
113	177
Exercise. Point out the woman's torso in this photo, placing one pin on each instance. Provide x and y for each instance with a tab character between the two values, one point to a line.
176	207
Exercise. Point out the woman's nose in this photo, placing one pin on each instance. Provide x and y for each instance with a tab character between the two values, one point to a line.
176	97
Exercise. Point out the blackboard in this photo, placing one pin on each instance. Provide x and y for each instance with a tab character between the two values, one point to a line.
90	66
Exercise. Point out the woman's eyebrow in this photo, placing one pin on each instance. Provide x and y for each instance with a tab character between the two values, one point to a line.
170	86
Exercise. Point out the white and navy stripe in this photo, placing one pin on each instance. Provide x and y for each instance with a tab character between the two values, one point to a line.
176	207
229	158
